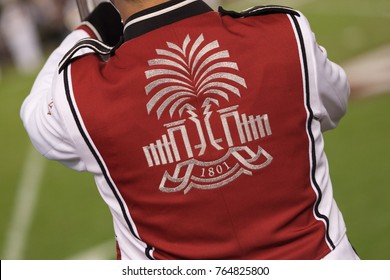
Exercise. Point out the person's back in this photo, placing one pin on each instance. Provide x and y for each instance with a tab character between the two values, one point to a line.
204	134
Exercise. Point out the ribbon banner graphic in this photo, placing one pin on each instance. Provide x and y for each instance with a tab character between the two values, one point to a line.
216	174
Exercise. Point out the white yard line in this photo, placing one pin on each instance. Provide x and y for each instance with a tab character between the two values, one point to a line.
25	204
369	74
104	251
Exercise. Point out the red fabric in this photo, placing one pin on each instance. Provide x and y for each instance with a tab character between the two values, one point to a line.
265	215
118	251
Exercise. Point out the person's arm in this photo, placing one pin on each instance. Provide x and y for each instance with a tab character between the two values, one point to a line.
333	90
42	110
329	86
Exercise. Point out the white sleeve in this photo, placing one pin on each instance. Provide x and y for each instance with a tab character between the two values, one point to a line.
41	114
329	86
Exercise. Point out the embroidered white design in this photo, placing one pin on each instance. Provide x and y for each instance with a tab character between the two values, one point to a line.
201	71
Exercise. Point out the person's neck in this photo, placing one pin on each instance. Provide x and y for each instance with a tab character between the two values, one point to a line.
132	7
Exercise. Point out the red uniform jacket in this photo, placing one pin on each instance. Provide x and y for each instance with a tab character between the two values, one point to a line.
204	133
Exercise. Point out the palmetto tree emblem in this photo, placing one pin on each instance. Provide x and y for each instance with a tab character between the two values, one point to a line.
193	77
194	69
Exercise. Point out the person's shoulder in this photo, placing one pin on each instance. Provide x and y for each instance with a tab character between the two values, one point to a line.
260	11
297	16
94	46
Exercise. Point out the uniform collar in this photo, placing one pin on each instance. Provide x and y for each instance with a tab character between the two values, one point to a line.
161	15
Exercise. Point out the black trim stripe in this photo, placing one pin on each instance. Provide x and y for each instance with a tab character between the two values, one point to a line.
149	251
95	45
309	124
99	161
259	11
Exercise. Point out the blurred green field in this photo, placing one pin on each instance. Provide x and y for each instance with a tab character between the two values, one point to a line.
69	217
